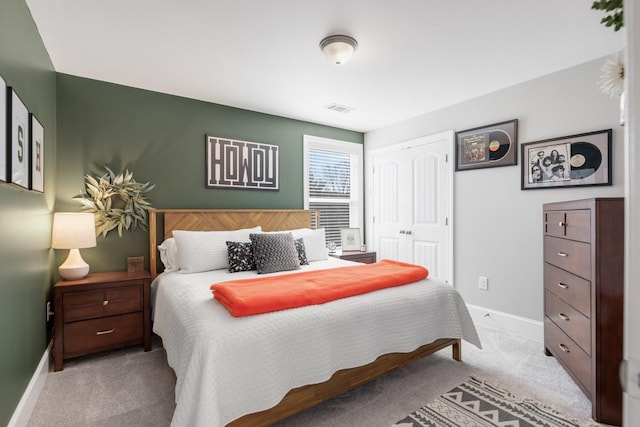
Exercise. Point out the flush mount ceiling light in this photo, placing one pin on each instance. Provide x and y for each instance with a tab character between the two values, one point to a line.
338	48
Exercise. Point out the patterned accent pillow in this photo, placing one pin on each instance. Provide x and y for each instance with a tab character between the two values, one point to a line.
302	254
274	252
240	257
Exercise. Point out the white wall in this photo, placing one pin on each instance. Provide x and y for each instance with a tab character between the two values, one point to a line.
498	227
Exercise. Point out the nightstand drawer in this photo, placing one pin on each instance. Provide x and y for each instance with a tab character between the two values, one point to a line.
568	287
102	334
92	304
570	320
361	257
569	255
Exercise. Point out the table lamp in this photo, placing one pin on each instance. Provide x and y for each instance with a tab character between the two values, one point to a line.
73	231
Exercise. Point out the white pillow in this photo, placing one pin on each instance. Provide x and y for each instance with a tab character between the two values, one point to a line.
169	254
207	250
314	243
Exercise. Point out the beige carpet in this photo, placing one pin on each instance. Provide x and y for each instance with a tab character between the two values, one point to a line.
134	388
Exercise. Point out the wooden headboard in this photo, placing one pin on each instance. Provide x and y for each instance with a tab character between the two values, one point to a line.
221	220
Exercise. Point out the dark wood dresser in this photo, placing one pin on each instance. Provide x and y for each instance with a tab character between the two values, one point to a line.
103	311
583	297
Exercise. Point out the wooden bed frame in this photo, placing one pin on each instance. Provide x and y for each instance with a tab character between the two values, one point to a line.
304	397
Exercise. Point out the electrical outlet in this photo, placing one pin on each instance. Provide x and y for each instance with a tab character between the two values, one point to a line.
483	283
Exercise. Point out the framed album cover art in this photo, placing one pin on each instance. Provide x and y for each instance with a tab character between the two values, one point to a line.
19	140
568	161
36	176
487	146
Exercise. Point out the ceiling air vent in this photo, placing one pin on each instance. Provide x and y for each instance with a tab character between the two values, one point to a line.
339	108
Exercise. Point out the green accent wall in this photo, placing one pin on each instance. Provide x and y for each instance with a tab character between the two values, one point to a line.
25	216
161	139
90	124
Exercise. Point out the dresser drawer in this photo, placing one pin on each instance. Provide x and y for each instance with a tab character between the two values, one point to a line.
568	287
104	302
577	362
89	336
569	255
574	225
570	320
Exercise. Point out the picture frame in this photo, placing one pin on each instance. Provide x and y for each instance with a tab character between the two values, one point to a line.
241	165
37	152
350	239
19	140
3	130
487	146
570	161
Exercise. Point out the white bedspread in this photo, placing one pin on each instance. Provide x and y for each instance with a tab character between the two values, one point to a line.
228	367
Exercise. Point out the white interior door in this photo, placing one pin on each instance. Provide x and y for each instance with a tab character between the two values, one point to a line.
412	200
427	231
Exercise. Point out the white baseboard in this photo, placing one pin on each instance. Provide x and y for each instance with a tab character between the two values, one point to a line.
532	329
30	396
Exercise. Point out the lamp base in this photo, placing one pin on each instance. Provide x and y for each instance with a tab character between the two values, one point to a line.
74	267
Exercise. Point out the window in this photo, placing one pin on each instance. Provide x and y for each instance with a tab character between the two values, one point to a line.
333	183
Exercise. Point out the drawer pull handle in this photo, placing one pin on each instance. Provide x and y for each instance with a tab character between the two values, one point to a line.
563	254
402	232
562	285
105	302
408	232
564	348
110	331
563	316
562	224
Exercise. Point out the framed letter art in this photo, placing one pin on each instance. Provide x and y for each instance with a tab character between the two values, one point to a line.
241	165
36	181
568	161
19	158
487	146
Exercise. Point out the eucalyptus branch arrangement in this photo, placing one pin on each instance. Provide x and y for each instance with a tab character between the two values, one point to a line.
615	17
117	202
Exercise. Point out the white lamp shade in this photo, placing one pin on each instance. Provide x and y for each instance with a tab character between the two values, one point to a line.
338	49
73	230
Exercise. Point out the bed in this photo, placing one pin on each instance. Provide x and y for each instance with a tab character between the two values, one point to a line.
256	370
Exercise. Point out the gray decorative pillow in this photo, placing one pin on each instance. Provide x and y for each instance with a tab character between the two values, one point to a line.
274	252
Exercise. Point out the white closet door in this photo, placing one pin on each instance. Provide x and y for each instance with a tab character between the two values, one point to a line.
389	217
411	199
428	216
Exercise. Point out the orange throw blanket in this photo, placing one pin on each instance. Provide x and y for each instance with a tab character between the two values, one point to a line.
265	294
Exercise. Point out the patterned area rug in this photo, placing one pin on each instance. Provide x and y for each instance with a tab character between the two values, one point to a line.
477	403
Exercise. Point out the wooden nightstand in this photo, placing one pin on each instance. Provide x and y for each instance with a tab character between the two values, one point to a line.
101	312
357	256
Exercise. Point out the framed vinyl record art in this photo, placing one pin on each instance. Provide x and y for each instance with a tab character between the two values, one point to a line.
487	146
569	161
